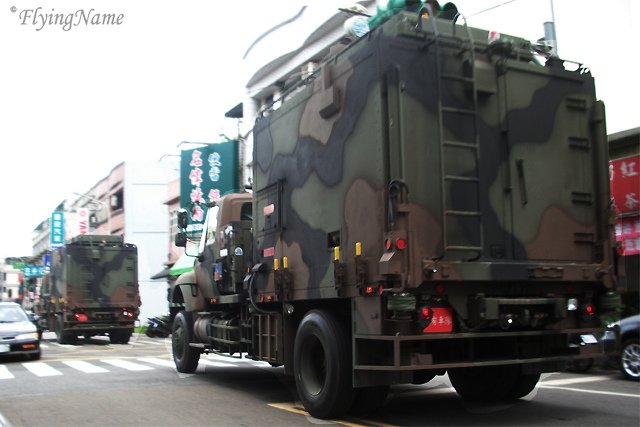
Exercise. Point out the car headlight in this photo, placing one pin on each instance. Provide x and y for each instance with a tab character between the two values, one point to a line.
29	336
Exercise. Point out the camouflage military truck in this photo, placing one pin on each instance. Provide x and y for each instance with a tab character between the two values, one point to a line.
435	199
92	289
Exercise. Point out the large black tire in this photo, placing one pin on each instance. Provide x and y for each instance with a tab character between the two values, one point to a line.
322	364
525	383
184	356
369	400
120	336
630	359
485	383
64	337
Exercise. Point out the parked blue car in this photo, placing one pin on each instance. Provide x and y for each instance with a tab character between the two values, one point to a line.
630	347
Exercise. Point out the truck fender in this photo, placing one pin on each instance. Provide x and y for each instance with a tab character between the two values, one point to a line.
186	291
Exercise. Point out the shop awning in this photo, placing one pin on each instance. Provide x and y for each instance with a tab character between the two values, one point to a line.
182	265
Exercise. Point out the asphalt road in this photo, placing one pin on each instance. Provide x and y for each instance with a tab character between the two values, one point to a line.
99	384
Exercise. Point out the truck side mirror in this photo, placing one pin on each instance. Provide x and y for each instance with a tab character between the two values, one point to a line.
181	240
183	221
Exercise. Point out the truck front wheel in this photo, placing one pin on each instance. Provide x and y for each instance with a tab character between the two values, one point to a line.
185	357
322	365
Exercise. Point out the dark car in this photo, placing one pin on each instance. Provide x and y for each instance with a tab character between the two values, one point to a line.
630	347
18	334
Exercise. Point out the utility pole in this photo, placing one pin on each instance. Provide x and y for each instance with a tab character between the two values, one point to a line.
550	32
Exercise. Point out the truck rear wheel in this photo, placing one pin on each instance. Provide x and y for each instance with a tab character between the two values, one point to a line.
119	336
61	336
368	400
485	383
185	357
322	365
525	383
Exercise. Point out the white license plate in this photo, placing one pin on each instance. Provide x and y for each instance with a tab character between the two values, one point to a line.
4	348
589	339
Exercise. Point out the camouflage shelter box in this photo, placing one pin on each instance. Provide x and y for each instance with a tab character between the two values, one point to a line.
92	288
431	200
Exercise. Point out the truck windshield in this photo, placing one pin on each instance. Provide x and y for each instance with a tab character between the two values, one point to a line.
210	227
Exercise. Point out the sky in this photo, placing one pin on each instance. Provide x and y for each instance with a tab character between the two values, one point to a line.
74	104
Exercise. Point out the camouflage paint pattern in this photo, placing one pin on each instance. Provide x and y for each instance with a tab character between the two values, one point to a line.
501	163
93	274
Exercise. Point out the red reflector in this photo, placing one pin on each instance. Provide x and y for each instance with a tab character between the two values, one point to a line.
387	244
590	310
401	244
440	288
426	312
81	317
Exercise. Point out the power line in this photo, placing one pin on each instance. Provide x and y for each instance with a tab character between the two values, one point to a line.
493	7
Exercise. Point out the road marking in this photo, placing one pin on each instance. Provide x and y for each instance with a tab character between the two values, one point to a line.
608	393
216	364
125	364
150	342
577	380
41	369
159	362
63	345
84	366
236	360
298	409
4	373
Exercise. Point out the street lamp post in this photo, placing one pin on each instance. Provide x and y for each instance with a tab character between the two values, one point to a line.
101	203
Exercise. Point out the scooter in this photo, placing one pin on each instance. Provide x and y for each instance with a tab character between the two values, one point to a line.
159	326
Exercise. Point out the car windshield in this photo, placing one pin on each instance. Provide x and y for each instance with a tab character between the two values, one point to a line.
9	314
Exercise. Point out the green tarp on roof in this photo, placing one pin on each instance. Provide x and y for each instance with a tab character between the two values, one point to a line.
182	265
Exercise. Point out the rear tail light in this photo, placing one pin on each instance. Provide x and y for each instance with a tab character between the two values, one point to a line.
589	310
387	244
401	244
373	290
81	317
128	313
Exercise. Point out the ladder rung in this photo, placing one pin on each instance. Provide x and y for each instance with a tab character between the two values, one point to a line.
461	178
462	213
463	248
456	77
460	144
458	110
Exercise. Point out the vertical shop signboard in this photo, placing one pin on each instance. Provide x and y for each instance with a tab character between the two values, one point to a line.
57	230
625	190
206	174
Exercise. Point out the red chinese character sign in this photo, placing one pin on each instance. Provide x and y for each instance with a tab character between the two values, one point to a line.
628	232
625	189
206	174
625	184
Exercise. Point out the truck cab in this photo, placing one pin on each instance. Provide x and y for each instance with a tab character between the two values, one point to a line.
223	254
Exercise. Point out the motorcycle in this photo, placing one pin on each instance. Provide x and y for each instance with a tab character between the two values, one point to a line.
159	326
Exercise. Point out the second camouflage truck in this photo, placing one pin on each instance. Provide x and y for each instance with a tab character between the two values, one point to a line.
434	200
92	289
